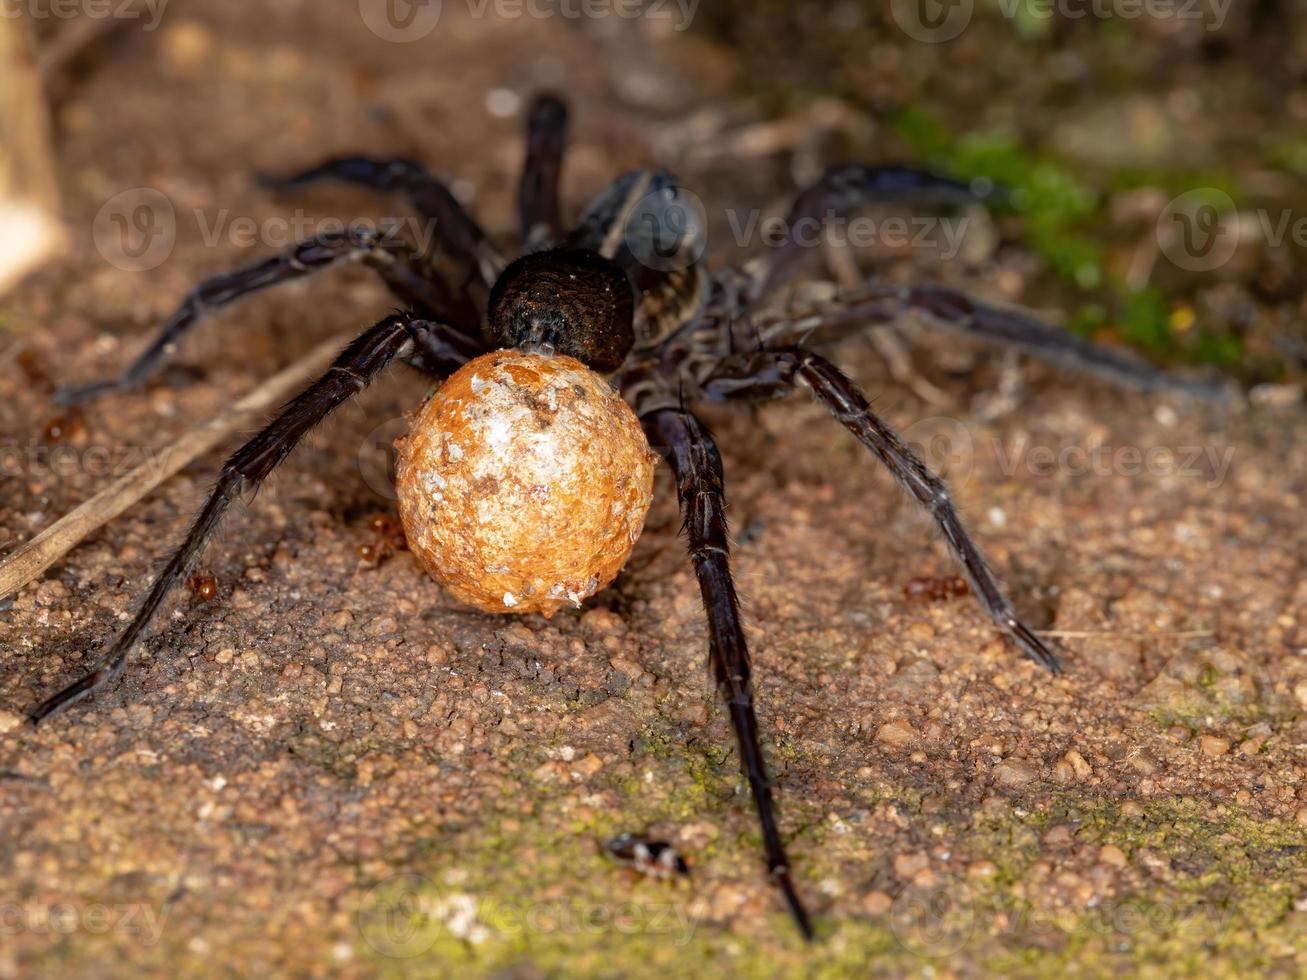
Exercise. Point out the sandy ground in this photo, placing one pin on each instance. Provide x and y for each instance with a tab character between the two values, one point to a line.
331	769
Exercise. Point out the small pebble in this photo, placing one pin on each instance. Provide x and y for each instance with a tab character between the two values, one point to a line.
1112	855
1211	745
908	866
1081	768
186	45
587	766
1300	692
1057	835
9	721
876	903
896	734
603	621
503	103
1015	773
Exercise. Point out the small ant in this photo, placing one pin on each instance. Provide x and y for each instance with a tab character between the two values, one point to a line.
935	588
387	538
69	427
204	585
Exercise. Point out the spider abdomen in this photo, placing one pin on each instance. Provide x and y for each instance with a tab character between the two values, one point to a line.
524	482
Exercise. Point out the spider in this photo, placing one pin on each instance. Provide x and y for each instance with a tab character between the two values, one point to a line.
623	292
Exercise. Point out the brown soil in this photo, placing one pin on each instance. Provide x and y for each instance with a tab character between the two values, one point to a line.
330	768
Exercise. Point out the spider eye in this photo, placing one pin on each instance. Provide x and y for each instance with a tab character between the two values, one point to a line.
572	300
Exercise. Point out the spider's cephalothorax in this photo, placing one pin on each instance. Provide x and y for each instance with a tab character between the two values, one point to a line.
526	443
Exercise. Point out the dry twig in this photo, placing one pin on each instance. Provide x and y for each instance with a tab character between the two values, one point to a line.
33	558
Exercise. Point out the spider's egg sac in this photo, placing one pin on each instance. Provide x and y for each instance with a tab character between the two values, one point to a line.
524	482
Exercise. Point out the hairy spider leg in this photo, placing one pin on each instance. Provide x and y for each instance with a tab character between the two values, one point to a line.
880	303
540	219
842	190
699	481
428	195
771	373
396	336
393	261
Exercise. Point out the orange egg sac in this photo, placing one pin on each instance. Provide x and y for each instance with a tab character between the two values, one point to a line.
524	482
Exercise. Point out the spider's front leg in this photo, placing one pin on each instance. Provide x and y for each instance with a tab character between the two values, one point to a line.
773	373
425	192
842	190
393	261
396	336
537	194
698	469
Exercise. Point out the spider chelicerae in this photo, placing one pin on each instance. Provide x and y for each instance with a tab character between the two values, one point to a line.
623	292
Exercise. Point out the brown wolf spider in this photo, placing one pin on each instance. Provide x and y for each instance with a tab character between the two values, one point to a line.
628	298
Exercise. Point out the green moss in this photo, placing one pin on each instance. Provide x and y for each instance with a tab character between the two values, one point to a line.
1289	152
1064	216
1224	906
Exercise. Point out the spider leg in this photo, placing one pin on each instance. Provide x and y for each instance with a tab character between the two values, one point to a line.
771	373
392	261
396	336
698	469
426	192
842	190
881	303
537	195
